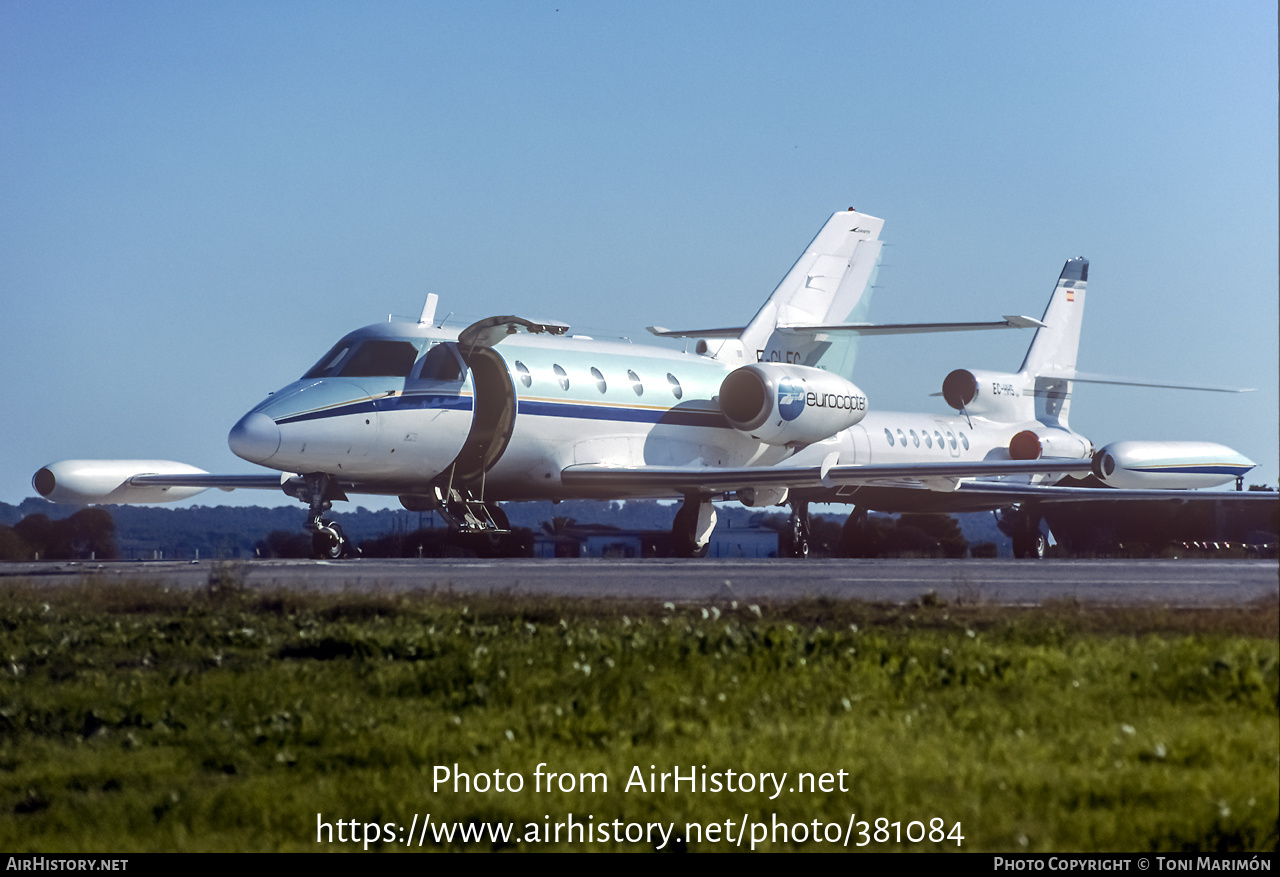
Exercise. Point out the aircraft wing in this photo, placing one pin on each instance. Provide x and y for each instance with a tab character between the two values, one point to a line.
138	481
709	479
222	482
1052	493
941	479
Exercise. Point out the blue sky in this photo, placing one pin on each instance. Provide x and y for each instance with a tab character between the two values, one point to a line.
196	200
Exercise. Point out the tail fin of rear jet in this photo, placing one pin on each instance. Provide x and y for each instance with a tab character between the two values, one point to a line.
831	282
1051	358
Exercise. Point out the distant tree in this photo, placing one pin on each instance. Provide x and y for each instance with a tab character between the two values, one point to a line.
37	531
940	533
92	533
558	529
558	526
984	549
13	546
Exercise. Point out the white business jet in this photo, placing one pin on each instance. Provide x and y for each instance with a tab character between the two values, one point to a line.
459	419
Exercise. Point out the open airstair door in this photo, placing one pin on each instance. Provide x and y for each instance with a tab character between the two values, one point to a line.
494	419
495	395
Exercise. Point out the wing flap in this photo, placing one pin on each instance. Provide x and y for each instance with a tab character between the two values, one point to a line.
709	479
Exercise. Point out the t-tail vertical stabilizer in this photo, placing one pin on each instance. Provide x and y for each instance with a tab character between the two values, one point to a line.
830	283
1052	354
1041	389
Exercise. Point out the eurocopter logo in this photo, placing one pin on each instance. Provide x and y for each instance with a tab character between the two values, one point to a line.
790	399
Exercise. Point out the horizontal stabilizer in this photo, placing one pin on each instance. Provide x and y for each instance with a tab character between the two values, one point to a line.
664	332
1009	322
1088	378
1015	322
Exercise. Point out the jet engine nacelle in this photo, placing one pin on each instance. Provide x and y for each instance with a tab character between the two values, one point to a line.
1168	465
995	395
83	482
1033	444
790	404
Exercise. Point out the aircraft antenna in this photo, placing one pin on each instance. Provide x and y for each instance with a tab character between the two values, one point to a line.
429	309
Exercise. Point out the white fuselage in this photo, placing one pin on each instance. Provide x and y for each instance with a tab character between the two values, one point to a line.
532	405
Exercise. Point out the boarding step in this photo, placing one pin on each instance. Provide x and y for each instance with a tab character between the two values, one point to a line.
468	514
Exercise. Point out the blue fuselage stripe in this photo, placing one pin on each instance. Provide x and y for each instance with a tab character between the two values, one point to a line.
391	403
529	407
674	416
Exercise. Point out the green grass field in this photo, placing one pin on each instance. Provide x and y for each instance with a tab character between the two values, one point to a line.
133	718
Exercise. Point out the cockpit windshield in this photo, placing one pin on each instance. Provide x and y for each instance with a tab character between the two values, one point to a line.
366	358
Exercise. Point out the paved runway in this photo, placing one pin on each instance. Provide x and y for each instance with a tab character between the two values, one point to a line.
1168	582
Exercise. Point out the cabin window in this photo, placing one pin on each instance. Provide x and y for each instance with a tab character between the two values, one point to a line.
562	377
370	358
888	436
635	382
522	372
951	439
928	442
675	386
964	440
599	378
937	435
902	439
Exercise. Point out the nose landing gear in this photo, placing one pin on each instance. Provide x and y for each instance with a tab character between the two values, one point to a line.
328	542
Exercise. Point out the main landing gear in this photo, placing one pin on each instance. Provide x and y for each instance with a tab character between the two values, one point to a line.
853	534
800	528
692	528
1022	525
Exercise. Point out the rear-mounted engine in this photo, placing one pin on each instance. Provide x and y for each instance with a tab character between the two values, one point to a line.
790	404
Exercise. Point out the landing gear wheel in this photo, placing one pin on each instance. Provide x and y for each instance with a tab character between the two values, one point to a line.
1029	546
1022	525
799	529
330	543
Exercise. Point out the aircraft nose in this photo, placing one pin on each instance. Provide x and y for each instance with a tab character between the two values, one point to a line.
255	438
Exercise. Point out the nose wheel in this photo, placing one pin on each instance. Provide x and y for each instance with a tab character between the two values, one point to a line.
328	542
